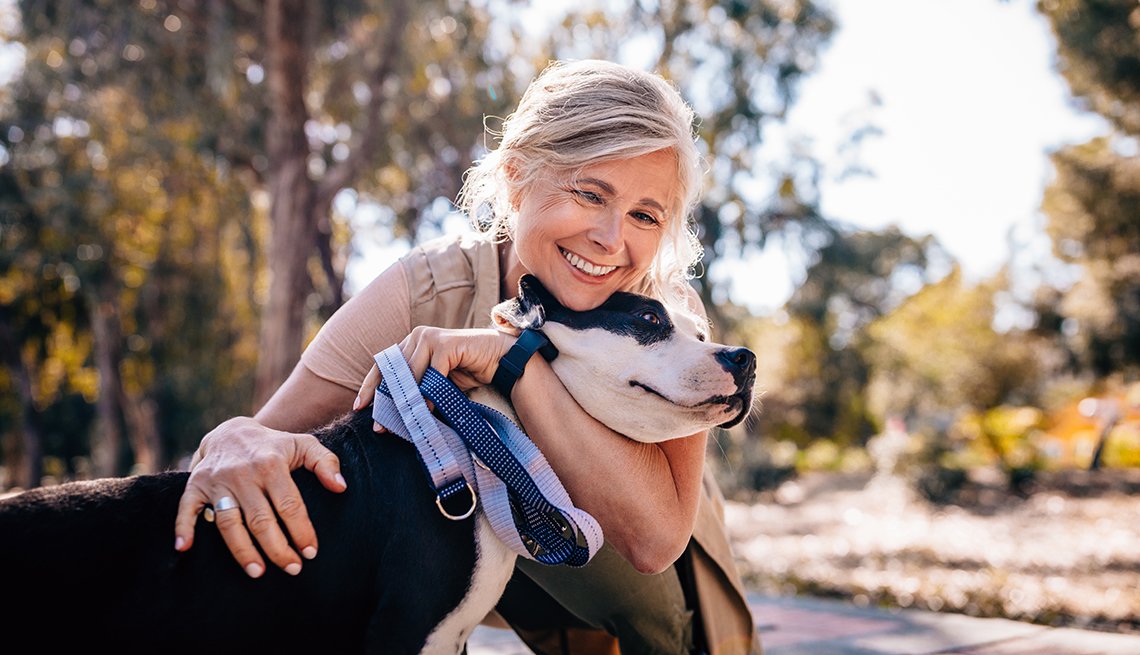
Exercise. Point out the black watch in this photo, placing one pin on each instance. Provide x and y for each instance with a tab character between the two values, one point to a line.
511	365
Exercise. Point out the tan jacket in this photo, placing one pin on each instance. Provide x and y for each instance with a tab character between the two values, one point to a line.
454	283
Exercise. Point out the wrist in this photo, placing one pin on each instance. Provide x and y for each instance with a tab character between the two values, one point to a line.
513	364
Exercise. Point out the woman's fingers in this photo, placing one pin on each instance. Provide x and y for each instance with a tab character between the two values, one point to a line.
321	461
281	504
193	501
249	466
230	524
468	357
367	389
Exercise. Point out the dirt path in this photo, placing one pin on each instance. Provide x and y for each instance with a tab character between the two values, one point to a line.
1067	554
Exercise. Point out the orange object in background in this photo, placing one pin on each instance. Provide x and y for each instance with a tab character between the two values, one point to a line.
1095	431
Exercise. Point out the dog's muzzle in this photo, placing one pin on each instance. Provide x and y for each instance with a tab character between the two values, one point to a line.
741	364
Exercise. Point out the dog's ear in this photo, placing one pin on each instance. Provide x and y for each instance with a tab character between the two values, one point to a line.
527	309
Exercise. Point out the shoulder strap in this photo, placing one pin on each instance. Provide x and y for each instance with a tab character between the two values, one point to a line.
453	281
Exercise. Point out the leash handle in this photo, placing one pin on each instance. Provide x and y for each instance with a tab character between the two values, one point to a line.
544	515
522	497
408	414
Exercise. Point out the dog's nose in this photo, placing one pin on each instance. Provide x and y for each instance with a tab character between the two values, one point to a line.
741	362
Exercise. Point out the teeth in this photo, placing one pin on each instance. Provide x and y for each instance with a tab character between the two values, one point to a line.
585	266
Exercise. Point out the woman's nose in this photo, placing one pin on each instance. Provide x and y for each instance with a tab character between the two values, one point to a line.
607	231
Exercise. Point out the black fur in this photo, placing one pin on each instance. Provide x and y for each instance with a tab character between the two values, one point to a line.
91	566
628	314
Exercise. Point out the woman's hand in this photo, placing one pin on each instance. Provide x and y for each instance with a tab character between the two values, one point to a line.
251	464
469	357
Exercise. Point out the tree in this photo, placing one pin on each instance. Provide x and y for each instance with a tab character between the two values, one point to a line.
122	207
856	278
937	354
1093	210
1093	205
181	167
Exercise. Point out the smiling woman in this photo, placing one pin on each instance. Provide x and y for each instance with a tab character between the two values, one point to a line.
590	190
566	129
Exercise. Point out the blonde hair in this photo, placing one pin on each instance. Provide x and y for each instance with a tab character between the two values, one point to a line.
580	112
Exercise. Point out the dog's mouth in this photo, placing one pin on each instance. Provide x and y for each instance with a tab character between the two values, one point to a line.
738	403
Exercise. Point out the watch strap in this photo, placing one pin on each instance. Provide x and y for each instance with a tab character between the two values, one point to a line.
512	364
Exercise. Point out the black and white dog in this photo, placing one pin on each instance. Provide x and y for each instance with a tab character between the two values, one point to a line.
89	566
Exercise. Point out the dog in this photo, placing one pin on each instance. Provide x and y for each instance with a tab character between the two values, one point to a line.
89	565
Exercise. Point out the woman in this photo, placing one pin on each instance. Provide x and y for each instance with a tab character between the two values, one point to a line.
591	190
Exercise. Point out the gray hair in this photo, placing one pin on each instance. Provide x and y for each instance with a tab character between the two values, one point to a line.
580	112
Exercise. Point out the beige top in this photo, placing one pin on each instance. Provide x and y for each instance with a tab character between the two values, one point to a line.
453	282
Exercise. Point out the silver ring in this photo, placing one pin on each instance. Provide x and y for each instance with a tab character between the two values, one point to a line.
224	503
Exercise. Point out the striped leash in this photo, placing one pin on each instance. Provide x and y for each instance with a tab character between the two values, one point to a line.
476	452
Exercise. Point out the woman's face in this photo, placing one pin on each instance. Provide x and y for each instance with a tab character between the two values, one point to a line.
585	238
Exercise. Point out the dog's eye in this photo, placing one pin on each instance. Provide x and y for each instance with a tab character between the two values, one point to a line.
651	317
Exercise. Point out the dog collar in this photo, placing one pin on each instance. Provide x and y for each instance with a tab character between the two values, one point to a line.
512	364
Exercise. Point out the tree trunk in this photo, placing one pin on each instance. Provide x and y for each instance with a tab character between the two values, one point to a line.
26	468
292	194
108	447
142	416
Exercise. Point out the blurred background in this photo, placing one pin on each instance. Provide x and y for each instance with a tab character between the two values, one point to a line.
923	216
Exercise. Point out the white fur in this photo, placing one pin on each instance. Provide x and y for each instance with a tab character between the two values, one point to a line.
596	367
494	563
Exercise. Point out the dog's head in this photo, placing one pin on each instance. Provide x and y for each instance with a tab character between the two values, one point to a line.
647	373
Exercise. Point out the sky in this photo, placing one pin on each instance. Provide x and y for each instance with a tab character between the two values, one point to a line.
971	103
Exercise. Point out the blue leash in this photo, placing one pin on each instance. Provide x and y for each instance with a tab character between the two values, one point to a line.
478	450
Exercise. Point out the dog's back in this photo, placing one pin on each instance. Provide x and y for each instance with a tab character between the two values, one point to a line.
94	564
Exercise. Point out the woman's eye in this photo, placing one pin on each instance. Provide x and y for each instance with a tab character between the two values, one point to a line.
588	196
651	317
648	219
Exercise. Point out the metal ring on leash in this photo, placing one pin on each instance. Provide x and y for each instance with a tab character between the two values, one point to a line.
458	517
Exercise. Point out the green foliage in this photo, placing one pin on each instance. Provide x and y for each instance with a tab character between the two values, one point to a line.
1093	210
1093	206
126	211
1004	435
135	163
938	354
1099	55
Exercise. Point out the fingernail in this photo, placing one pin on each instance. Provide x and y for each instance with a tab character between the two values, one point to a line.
293	569
376	427
356	403
341	480
254	570
309	552
179	542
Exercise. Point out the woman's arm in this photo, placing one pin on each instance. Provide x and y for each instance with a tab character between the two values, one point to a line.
644	495
250	459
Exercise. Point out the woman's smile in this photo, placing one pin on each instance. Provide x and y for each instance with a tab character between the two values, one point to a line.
585	266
